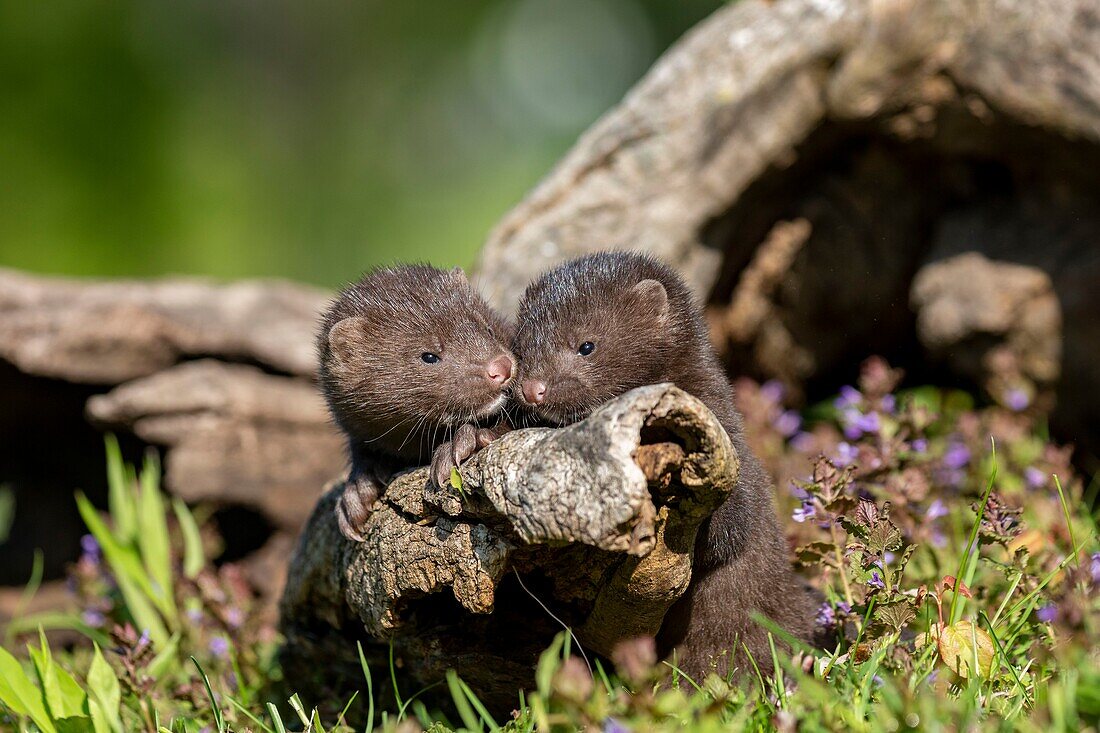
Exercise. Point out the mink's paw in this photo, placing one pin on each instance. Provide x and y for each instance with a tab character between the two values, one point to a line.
355	505
449	455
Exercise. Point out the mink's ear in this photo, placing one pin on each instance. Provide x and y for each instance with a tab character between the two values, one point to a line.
344	338
458	275
651	297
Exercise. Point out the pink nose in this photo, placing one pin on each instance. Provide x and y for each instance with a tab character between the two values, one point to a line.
534	391
499	369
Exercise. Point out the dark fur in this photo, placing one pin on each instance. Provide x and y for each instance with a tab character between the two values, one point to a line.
394	408
741	560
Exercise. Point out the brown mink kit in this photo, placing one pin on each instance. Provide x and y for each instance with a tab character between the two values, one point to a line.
414	366
598	326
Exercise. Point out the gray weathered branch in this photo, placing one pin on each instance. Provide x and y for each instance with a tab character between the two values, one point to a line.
600	517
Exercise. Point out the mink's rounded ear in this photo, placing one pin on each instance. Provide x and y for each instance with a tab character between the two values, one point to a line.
344	338
651	297
459	275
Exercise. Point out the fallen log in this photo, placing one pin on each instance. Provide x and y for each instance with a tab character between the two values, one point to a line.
590	526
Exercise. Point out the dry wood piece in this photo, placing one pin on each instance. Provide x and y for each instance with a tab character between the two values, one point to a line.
598	519
903	132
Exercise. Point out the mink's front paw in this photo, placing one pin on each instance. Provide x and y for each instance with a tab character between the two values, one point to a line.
355	505
451	454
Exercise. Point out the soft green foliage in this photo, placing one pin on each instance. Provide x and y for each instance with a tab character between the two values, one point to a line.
962	587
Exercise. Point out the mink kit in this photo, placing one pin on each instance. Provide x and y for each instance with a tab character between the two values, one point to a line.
415	367
598	326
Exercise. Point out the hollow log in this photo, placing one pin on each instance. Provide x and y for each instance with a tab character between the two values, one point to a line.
591	525
897	140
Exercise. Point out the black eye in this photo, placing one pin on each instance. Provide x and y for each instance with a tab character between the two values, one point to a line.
586	348
429	358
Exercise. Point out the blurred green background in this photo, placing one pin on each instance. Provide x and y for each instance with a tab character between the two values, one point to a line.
301	139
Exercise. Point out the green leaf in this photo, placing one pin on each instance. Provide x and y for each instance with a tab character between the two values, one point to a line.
549	661
219	719
104	689
64	697
19	693
193	558
456	479
129	574
165	659
462	704
153	536
120	499
960	644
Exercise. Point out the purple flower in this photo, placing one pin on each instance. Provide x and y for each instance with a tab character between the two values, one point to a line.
1034	478
144	639
1047	614
1017	400
219	646
846	454
90	549
787	423
920	445
939	539
936	510
826	616
868	423
876	580
802	442
889	404
614	725
957	455
193	615
849	397
844	607
234	617
93	618
1094	568
773	391
888	557
804	512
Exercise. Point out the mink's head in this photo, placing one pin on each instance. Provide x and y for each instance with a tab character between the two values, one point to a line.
408	351
596	327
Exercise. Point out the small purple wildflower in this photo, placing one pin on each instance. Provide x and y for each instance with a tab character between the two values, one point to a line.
1017	400
93	618
219	646
920	445
787	423
849	397
90	549
844	607
773	391
1047	614
939	539
868	423
846	454
936	510
614	725
802	442
1094	568
804	512
876	580
144	639
234	617
957	455
889	404
1034	478
888	557
826	615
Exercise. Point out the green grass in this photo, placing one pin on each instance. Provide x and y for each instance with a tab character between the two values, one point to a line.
961	600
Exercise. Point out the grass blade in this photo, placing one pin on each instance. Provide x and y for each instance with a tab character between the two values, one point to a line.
219	719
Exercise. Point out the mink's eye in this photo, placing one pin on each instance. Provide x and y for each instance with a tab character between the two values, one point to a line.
586	348
429	358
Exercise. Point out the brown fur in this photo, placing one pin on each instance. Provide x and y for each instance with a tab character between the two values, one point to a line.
644	334
395	409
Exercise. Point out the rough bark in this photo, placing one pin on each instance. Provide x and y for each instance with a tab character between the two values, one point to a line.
598	518
901	133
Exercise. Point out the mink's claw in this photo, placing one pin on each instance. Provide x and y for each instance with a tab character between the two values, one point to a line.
355	505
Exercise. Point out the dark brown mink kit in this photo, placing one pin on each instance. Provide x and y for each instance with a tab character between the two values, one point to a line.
600	325
415	367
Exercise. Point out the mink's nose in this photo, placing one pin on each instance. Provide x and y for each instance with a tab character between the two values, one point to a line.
534	391
499	369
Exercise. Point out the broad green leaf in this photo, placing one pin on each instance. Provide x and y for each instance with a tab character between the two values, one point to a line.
64	697
456	479
153	536
104	689
193	557
120	500
19	693
75	724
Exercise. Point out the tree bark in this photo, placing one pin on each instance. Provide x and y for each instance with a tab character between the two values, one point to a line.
591	525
